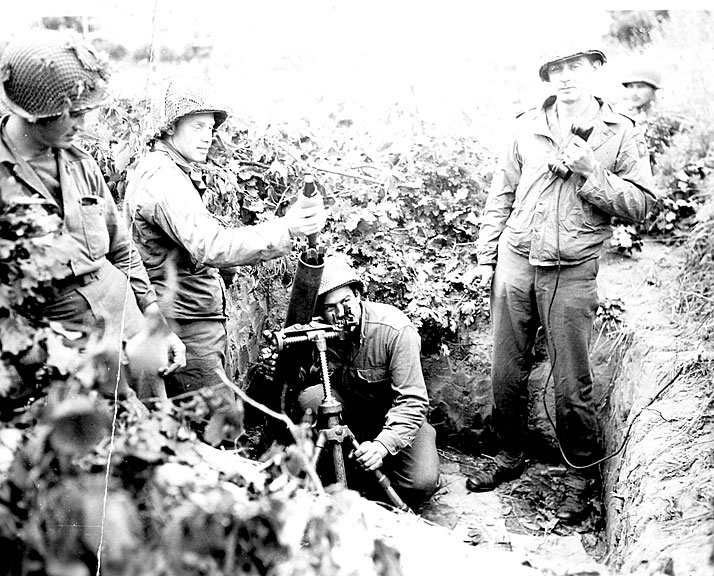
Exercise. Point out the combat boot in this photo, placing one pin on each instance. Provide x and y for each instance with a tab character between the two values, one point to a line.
495	471
574	507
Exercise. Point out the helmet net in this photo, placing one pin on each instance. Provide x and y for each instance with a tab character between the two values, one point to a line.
48	73
336	274
179	97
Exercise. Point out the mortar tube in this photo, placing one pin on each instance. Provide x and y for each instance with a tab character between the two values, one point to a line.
303	295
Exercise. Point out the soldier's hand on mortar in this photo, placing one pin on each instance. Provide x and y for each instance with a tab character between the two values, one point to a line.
305	220
266	363
370	455
579	157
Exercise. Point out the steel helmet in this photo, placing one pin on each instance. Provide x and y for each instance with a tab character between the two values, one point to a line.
180	97
643	73
336	274
47	73
566	54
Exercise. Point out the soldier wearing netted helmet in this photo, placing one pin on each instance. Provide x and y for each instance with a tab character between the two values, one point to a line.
49	81
175	231
376	375
571	165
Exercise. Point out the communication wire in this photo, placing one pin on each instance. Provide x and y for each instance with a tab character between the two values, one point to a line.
127	294
554	359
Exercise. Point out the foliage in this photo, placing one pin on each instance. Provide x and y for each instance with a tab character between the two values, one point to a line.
696	279
625	239
681	172
32	255
609	316
681	158
633	28
148	499
69	23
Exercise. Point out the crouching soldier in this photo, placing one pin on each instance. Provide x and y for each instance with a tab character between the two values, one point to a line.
376	375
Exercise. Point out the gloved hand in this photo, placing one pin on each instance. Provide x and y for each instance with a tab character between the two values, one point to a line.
266	364
306	216
148	353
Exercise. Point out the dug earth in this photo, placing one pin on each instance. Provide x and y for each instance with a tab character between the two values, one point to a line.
656	407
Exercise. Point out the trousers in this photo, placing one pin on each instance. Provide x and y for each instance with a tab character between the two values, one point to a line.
414	471
564	301
206	358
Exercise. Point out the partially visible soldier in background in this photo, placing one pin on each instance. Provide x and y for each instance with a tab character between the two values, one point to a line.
641	82
50	80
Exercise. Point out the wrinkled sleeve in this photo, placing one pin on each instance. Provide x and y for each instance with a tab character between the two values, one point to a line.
628	191
499	204
123	254
179	211
411	401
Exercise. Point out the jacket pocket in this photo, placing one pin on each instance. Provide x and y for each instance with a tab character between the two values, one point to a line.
92	211
373	375
371	393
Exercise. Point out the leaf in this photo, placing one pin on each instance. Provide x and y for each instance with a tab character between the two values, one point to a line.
122	156
63	358
16	334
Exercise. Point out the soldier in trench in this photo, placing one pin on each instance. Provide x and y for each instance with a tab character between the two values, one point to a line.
546	219
376	375
173	229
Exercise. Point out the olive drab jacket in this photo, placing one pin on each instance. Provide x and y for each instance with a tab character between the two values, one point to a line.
90	216
380	378
170	224
554	221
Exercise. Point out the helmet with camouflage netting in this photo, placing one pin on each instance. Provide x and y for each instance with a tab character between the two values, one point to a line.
46	73
338	273
179	97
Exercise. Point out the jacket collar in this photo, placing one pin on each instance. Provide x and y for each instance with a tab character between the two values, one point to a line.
602	131
22	170
191	170
19	168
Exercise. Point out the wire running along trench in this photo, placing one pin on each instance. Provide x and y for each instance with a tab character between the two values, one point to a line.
128	293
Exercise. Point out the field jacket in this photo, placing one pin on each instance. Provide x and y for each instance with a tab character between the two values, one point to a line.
170	224
550	220
382	372
91	218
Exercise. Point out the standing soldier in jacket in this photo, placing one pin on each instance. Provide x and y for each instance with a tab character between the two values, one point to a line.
50	80
543	227
173	229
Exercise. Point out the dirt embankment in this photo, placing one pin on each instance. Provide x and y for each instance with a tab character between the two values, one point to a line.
659	490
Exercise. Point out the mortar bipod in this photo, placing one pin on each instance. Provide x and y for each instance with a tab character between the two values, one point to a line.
332	434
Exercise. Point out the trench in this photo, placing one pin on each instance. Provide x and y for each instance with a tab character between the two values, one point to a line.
653	514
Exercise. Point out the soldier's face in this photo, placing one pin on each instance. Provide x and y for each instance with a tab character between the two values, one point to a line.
58	132
573	78
192	136
341	307
640	94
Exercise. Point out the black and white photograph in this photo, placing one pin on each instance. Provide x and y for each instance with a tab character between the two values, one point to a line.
330	288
